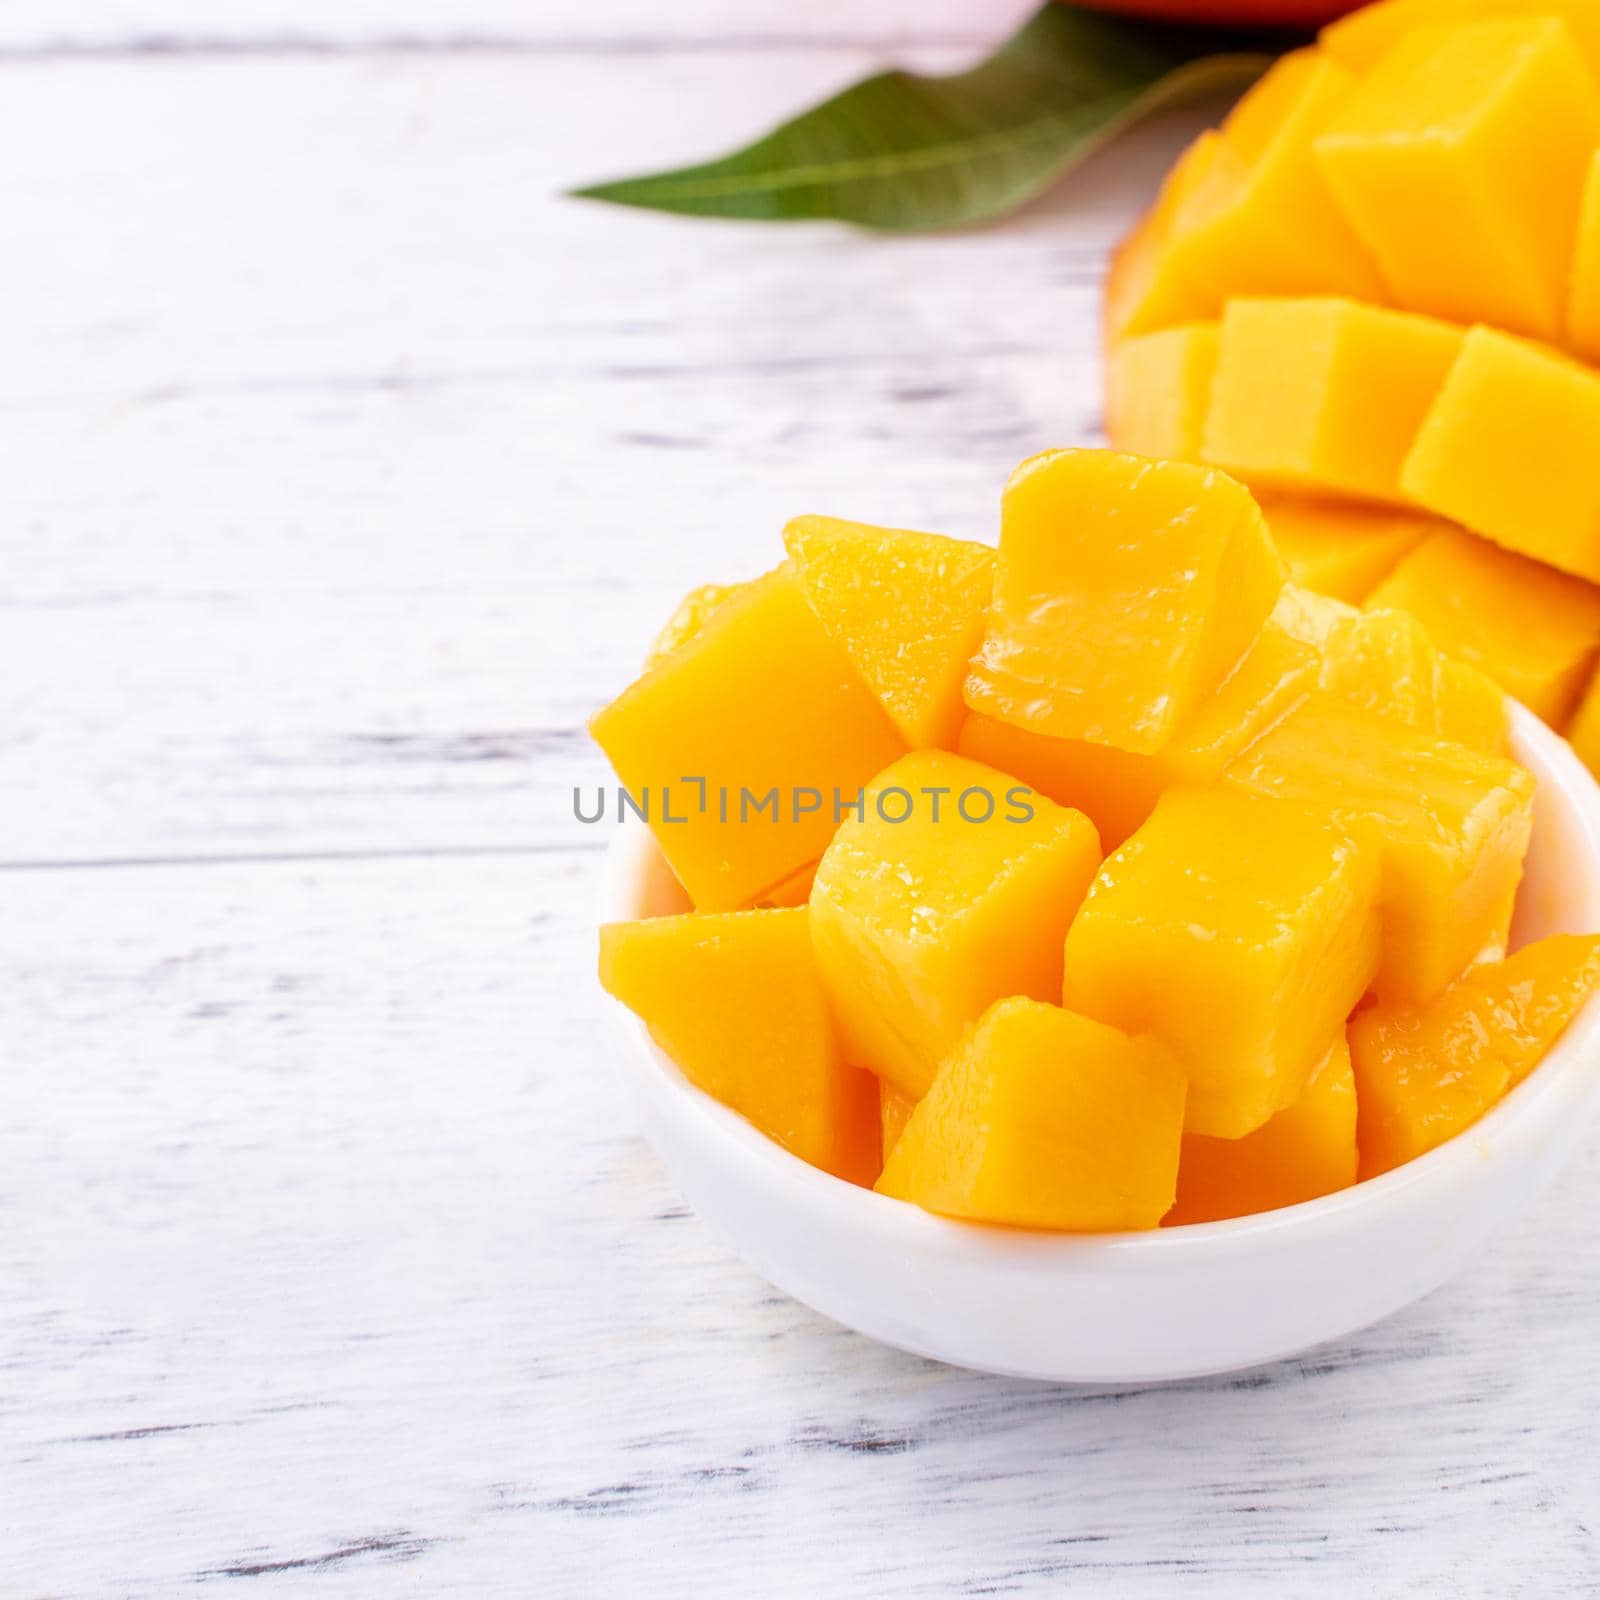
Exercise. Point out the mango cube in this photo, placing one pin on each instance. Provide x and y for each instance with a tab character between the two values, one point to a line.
953	888
691	616
1125	591
908	609
1584	732
894	1112
1324	395
733	999
1117	789
1384	662
1449	824
1158	390
1043	1119
738	739
1583	303
1238	931
1340	549
1260	217
1534	631
1306	1150
1424	1073
1508	450
1460	160
1145	290
1361	40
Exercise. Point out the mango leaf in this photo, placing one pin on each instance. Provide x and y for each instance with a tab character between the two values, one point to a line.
906	153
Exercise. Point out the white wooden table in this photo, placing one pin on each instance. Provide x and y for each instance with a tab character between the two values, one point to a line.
345	470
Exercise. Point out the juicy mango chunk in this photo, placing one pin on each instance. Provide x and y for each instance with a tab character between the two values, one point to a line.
1324	395
1508	449
1144	289
1425	1073
1583	303
952	889
691	616
1158	390
1460	160
1240	933
1449	824
1534	631
1043	1119
733	999
907	607
760	703
1125	591
1384	661
1584	732
1260	218
1341	550
894	1112
1308	1149
1117	789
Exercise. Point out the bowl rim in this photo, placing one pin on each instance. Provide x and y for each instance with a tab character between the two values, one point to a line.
902	1225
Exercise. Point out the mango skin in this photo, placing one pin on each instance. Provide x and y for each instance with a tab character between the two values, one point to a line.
1044	1119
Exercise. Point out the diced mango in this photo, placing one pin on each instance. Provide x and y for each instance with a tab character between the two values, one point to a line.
1158	390
692	614
1306	1150
794	890
907	607
1125	591
1584	732
1338	549
894	1112
1423	1074
1238	931
1583	303
1361	39
769	715
1384	661
1451	826
952	889
1144	289
1508	449
1043	1119
1533	630
1117	789
734	1000
1260	217
1460	160
1324	395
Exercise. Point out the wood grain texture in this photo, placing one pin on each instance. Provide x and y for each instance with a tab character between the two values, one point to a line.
347	470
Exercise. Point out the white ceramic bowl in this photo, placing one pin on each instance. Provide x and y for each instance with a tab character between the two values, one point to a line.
1144	1307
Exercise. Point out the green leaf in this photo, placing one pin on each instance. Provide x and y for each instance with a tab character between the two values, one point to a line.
903	152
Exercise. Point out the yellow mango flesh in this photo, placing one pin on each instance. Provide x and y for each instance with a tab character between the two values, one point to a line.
734	1000
1158	390
1043	1119
1145	290
760	704
685	623
1583	733
1324	395
1362	39
1306	1150
1460	161
1240	933
1339	549
1583	303
1423	1074
1125	591
1260	218
907	607
1532	630
894	1112
1508	450
1384	661
1117	789
1449	824
953	889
